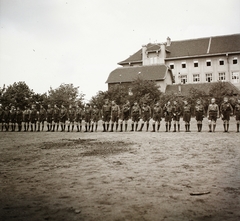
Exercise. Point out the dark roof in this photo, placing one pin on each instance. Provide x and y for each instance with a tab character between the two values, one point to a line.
129	74
194	47
199	86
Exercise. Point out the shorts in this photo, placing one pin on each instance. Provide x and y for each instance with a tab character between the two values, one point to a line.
199	116
176	117
95	118
114	117
157	117
135	117
212	116
49	119
226	115
55	119
187	116
168	118
63	119
106	116
87	118
71	119
125	116
33	120
41	119
146	117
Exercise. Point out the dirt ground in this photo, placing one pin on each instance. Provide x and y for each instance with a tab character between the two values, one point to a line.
120	176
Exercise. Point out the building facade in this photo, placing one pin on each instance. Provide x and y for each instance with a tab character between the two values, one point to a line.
193	61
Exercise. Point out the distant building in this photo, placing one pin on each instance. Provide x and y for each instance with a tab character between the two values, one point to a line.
194	61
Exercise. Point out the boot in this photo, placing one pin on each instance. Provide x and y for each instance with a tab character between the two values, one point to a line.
50	128
42	126
132	128
107	126
147	127
96	126
72	127
77	128
35	127
169	127
186	128
178	127
68	128
200	127
153	128
38	127
174	128
53	128
112	127
224	126
210	128
126	127
227	127
104	129
136	126
237	127
141	127
189	127
214	126
89	127
64	127
166	128
25	129
57	127
116	126
158	127
80	128
121	127
31	128
92	128
86	127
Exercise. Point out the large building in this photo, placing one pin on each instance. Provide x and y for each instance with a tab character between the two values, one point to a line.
192	61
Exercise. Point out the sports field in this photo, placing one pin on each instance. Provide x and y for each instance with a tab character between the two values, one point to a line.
121	176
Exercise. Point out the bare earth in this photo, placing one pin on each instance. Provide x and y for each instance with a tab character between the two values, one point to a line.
120	176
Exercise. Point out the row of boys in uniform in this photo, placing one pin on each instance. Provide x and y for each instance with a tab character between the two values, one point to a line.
111	114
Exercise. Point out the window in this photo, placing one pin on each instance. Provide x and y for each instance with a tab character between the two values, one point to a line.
222	76
221	62
196	78
153	60
195	64
183	79
208	77
208	63
235	60
172	66
184	65
235	77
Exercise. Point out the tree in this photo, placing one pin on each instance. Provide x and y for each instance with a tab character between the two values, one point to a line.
65	94
18	94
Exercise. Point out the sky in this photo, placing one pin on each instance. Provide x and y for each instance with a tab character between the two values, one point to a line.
49	42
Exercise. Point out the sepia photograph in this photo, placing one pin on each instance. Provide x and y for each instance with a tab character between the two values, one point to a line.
119	110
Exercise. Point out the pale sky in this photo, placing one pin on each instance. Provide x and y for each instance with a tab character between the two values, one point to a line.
49	42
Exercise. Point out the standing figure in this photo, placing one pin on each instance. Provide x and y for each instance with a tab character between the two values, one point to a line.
87	117
63	117
199	113
78	118
71	118
226	110
5	118
106	115
187	115
237	114
1	116
176	113
95	117
26	118
168	115
19	118
125	115
135	115
56	114
213	114
12	118
42	114
157	116
49	117
146	115
115	112
33	118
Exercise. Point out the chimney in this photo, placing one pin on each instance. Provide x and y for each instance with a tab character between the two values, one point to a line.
168	41
162	54
144	56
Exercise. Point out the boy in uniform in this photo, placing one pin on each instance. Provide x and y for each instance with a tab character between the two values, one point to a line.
135	115
125	115
5	118
157	116
87	117
106	115
226	110
26	118
56	113
41	117
199	113
19	118
237	114
176	112
33	118
95	117
63	117
71	117
115	112
12	118
1	116
168	115
78	118
49	117
146	115
187	115
213	114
